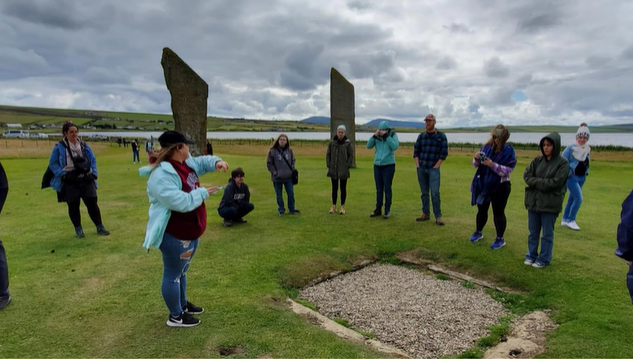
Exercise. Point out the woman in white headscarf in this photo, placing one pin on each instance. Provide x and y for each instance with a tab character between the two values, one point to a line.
577	155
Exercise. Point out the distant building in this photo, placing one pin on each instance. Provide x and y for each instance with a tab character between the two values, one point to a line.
14	125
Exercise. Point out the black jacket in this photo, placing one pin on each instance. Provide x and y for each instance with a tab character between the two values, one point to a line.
235	196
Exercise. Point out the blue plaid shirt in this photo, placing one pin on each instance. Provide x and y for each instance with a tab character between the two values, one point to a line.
430	147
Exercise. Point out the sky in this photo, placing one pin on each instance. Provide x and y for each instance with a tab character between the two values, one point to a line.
469	62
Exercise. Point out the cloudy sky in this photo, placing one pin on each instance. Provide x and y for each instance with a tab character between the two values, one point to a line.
470	62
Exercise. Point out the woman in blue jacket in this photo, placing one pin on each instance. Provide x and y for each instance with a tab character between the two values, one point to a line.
578	157
386	143
177	217
74	168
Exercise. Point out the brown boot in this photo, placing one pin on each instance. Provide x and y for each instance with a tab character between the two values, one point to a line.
342	211
333	209
423	217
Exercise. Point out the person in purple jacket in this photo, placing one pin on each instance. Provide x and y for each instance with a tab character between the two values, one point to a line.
625	239
491	184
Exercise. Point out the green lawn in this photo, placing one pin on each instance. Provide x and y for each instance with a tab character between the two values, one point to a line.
100	297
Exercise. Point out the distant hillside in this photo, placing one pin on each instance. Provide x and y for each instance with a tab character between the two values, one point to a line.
317	119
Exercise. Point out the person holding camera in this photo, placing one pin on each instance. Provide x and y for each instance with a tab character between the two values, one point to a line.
235	203
74	168
386	143
494	162
430	150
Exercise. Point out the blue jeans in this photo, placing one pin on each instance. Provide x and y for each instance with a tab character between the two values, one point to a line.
429	180
233	213
177	256
135	156
574	184
383	176
536	222
280	199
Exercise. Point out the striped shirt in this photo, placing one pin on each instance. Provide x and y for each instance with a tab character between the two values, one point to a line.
430	148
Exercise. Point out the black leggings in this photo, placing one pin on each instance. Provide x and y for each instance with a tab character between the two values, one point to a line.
499	199
335	190
93	211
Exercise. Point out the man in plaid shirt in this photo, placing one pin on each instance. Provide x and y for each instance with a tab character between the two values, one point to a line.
431	149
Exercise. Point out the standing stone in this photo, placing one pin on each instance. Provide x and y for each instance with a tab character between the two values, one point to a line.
342	107
189	93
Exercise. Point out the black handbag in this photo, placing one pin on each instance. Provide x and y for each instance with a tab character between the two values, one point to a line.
47	178
295	173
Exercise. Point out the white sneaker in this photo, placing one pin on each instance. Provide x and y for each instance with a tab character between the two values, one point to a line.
528	262
573	225
564	223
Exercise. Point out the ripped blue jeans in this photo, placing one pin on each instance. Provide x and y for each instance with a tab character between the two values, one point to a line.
177	255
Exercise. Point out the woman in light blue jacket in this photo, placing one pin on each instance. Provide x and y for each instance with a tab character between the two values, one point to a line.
386	143
577	155
177	217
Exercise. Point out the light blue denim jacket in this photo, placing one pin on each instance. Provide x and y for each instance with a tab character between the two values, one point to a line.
164	189
57	162
573	162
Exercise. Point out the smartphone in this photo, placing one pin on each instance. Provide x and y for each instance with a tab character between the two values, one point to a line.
218	190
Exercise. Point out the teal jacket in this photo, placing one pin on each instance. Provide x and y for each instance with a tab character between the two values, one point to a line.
385	148
164	189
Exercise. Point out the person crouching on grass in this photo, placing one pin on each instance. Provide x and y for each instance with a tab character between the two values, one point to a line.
235	202
177	217
546	177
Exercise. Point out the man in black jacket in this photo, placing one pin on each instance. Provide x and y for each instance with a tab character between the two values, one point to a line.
235	202
5	298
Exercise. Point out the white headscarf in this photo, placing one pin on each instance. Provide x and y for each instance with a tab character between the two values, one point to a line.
581	152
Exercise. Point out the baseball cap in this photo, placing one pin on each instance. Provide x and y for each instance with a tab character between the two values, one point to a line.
169	138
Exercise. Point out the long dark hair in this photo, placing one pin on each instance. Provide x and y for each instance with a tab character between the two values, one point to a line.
276	143
498	131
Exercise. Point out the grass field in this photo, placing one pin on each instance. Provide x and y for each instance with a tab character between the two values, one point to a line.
100	297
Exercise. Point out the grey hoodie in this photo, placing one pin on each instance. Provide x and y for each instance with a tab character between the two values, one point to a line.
279	170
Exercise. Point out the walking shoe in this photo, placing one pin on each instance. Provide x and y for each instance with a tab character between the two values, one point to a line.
538	265
386	215
476	236
423	217
79	232
4	301
240	221
375	213
295	211
573	225
102	231
564	223
282	213
439	221
342	209
192	309
332	209
528	262
499	242
183	320
227	222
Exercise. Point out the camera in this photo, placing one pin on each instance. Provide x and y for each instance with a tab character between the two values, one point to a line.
482	156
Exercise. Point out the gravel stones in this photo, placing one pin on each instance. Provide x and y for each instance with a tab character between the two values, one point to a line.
423	316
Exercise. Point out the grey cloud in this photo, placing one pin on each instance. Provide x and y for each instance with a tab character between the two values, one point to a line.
523	81
101	75
596	61
62	14
536	23
627	53
300	73
458	28
446	63
494	67
359	5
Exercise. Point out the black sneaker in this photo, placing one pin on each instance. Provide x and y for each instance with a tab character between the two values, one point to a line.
296	211
183	320
240	220
79	232
102	231
386	215
4	301
375	213
227	223
192	309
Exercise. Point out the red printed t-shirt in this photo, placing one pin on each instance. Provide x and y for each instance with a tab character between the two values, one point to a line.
189	225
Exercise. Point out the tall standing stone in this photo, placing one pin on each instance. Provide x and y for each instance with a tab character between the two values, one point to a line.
189	93
342	106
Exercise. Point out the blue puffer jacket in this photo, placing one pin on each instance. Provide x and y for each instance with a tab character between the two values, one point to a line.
164	189
57	162
385	148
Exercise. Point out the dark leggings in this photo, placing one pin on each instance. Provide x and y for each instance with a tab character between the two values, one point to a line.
4	268
335	190
93	211
499	199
